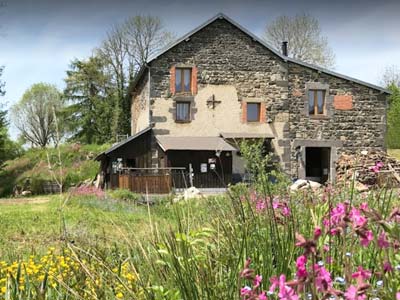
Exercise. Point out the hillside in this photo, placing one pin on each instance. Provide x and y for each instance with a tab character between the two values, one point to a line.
77	165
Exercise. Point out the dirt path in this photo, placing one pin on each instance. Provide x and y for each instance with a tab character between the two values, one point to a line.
36	200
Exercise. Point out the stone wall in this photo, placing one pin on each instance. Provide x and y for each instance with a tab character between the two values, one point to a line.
140	106
356	115
234	69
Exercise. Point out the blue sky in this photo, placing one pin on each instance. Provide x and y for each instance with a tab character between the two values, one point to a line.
40	37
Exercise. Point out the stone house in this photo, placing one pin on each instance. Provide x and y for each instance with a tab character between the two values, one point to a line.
220	84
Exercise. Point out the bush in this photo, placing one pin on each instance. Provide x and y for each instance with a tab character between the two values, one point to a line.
123	194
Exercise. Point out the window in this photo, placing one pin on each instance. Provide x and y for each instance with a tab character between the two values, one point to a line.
182	112
316	102
183	80
253	112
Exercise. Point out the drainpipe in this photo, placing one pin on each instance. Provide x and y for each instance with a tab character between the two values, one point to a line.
148	96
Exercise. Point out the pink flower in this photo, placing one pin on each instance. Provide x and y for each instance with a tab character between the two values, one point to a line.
367	238
317	232
387	267
398	296
257	281
357	218
352	294
261	206
285	211
361	273
338	213
364	206
262	296
246	291
301	266
323	280
382	241
286	292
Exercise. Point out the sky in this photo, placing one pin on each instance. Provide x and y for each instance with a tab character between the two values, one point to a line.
39	38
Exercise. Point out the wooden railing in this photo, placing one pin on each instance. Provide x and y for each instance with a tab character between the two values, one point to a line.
162	181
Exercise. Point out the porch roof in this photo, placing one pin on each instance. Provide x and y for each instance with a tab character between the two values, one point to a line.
122	143
246	135
212	143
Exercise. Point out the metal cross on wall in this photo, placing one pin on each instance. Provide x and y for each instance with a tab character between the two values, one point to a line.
212	102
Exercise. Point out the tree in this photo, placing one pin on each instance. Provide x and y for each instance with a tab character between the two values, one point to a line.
34	114
125	50
393	118
304	37
391	76
91	98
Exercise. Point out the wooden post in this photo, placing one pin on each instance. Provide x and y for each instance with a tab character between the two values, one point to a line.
191	175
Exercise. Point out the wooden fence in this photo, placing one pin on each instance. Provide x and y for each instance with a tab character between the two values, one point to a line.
162	181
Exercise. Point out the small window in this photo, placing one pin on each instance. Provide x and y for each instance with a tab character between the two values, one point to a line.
182	111
183	80
316	102
253	112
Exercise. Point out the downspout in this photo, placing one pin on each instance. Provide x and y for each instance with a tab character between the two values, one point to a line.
148	95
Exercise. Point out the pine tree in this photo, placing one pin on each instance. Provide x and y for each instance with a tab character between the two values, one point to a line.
91	100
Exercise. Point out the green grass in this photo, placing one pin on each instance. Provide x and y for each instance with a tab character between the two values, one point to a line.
395	153
34	225
77	162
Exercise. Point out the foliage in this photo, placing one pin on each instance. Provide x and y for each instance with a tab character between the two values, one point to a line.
393	118
91	99
8	148
125	195
126	50
78	166
304	37
35	114
391	76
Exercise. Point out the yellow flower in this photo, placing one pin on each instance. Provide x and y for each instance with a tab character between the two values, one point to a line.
3	290
119	295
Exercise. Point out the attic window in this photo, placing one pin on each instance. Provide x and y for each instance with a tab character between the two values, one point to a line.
183	78
316	102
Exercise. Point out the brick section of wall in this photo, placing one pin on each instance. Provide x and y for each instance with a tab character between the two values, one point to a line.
172	80
244	112
263	113
194	81
343	102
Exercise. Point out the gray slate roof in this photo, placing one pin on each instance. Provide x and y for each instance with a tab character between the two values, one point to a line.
262	42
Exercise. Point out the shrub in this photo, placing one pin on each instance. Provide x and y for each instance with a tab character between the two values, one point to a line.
124	194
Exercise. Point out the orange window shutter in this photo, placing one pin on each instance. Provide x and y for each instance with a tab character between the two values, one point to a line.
262	112
194	80
172	80
244	112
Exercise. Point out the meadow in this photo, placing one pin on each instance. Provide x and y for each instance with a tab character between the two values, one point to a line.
256	242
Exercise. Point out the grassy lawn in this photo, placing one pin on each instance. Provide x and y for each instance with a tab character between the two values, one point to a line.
395	153
32	225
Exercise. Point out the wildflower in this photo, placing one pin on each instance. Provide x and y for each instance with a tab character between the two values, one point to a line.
383	243
323	279
353	294
398	296
257	281
262	296
357	218
119	295
340	280
301	266
379	283
361	275
367	238
387	267
317	232
245	291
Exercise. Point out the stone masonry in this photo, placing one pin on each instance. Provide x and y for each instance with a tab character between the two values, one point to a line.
234	68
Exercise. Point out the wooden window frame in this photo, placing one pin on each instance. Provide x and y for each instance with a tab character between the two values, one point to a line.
259	112
181	70
315	98
189	112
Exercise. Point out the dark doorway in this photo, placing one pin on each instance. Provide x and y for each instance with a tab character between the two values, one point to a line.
318	163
